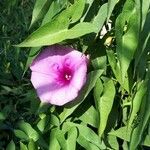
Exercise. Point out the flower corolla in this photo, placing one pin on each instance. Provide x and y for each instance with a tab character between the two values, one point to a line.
58	74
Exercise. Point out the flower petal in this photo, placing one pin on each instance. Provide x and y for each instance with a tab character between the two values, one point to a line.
44	84
63	95
50	92
79	77
49	56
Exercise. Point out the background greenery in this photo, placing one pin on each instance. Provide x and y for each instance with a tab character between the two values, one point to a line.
112	111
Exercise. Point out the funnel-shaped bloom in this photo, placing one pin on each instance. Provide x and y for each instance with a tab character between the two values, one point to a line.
58	74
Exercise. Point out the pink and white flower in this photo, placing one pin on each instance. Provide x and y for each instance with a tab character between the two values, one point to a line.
58	74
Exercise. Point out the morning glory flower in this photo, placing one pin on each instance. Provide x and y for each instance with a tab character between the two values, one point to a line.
58	74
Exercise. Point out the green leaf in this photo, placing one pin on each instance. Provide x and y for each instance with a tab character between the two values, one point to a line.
32	54
53	143
55	35
61	140
87	134
88	5
114	63
143	44
32	145
23	147
113	142
99	62
40	9
57	30
20	134
47	122
2	116
111	5
27	128
137	100
123	133
91	80
11	146
143	120
145	9
105	103
98	89
127	36
90	136
71	140
86	144
78	11
147	140
100	17
54	9
90	117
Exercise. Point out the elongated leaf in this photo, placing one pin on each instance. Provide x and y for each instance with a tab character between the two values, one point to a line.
87	134
32	145
91	80
22	146
72	137
32	54
147	140
100	17
78	11
111	5
105	103
127	43
123	133
40	9
99	62
20	134
53	143
27	128
113	142
143	119
141	91
116	69
90	136
54	9
11	145
114	64
89	4
57	30
98	89
144	41
41	37
145	7
86	144
90	117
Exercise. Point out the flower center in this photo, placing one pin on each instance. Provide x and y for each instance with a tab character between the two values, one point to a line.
64	73
67	77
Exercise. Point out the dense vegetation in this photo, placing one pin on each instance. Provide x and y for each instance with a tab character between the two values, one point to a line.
112	111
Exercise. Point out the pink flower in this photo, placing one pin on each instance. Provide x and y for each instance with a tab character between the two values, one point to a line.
58	74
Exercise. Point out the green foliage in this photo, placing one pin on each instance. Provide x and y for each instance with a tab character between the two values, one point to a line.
112	110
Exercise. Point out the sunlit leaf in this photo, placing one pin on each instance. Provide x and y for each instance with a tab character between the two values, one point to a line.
72	137
127	36
143	120
32	145
105	103
11	145
22	146
111	5
90	117
27	128
40	9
